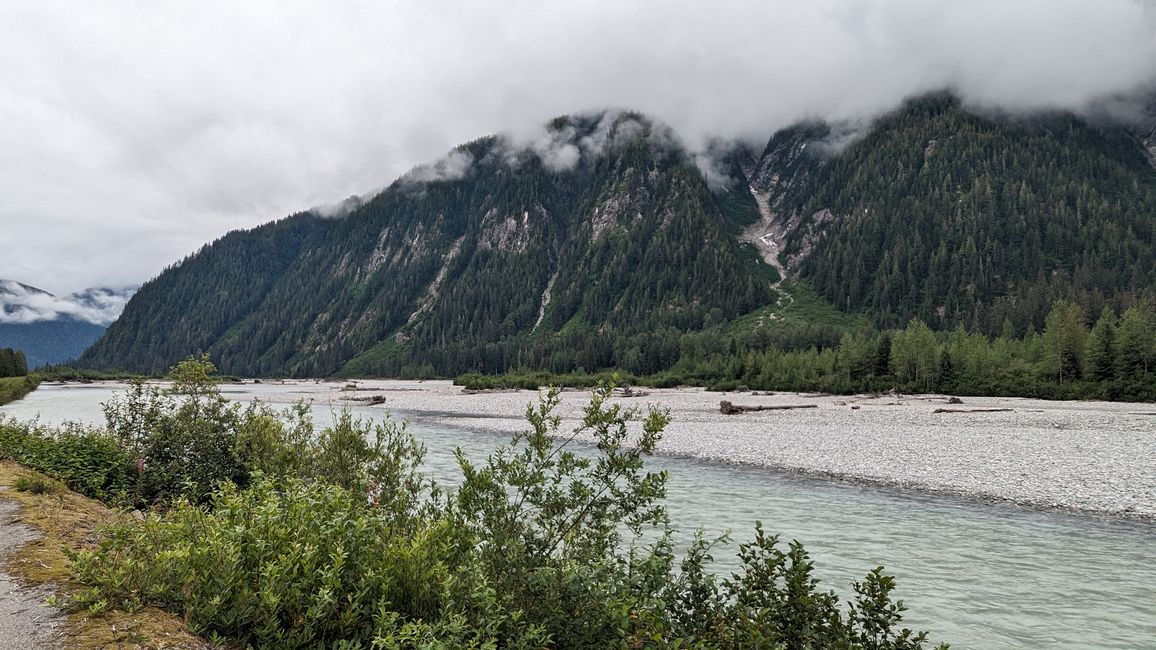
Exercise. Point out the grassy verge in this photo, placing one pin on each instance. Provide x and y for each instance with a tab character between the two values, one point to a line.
69	521
13	388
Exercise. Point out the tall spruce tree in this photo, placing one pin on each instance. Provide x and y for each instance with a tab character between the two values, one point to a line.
1136	343
1065	342
1101	357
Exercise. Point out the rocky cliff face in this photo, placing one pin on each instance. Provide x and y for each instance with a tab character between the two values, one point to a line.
1146	132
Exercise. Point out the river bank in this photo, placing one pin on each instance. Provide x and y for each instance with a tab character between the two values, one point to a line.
1060	581
14	388
36	533
1084	456
1096	457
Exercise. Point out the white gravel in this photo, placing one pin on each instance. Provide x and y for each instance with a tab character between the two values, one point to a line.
1097	457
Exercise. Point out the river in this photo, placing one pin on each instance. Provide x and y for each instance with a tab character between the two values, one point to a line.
977	574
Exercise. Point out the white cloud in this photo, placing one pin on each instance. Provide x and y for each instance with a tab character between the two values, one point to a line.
130	133
453	166
21	304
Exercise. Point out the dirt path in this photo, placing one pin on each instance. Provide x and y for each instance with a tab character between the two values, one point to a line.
25	621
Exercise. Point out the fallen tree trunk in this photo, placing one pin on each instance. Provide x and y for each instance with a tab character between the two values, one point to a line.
726	408
971	410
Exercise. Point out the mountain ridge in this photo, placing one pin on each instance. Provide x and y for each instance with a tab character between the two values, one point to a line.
582	247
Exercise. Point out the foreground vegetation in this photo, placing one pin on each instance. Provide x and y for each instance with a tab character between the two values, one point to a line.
67	520
264	532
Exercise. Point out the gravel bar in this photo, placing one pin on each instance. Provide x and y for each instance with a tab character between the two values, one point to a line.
1097	457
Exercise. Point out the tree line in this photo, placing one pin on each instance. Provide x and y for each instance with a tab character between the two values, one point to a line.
12	363
1113	357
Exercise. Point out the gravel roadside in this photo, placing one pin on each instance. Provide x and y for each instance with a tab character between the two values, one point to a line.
25	621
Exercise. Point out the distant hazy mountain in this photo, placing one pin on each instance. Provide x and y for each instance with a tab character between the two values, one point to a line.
51	329
598	244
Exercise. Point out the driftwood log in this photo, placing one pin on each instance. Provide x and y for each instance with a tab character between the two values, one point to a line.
372	400
726	408
627	391
971	410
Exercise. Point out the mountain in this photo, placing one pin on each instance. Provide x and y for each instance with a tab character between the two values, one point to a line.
968	219
606	226
51	329
603	241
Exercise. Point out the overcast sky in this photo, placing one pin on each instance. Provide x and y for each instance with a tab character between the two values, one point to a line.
133	132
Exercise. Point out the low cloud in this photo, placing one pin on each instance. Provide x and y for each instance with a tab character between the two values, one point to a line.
133	133
842	134
20	304
342	209
713	171
557	150
584	136
450	168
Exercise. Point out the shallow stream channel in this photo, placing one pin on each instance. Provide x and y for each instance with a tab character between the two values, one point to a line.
976	573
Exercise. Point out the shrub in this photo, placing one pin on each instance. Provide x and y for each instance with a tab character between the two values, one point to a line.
14	388
539	547
87	460
289	565
184	439
724	386
666	380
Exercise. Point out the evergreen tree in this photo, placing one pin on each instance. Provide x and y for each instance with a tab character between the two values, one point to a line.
1101	357
914	356
1136	343
7	363
1065	342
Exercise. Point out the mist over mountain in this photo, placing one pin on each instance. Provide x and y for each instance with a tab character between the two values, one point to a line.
103	189
51	329
599	242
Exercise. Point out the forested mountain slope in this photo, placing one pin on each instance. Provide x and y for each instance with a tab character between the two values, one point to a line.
598	244
607	228
962	218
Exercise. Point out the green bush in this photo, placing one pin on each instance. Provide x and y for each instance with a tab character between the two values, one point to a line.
283	565
538	547
184	439
666	380
87	460
14	388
